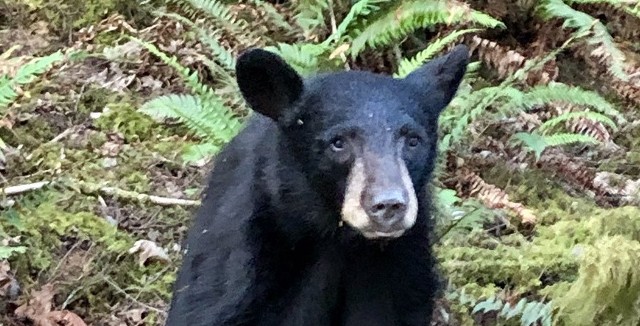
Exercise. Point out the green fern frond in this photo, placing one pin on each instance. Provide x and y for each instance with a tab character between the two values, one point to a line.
273	15
406	66
594	116
600	36
360	8
25	75
630	6
467	108
305	58
204	119
205	113
531	312
561	139
559	92
216	10
310	15
633	10
607	291
191	78
209	38
395	23
197	152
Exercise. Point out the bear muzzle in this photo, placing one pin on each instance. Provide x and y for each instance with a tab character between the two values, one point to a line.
380	200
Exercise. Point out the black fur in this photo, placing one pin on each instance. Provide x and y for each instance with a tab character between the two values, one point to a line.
266	247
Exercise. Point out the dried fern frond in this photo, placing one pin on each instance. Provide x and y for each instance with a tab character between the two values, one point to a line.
507	61
627	190
629	90
494	197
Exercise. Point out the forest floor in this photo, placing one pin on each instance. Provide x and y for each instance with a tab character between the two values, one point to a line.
100	252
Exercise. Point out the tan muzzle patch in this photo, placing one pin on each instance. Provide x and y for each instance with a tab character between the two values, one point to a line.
355	215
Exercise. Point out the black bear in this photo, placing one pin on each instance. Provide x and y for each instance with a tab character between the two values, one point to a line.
317	212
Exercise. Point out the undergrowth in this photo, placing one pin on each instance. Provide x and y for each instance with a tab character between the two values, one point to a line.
509	144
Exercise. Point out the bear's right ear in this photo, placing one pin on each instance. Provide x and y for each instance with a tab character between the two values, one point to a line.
440	77
267	82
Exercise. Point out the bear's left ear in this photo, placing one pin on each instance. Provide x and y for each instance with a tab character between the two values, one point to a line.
440	77
267	82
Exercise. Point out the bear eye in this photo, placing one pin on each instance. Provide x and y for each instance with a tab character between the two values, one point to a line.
413	141
337	144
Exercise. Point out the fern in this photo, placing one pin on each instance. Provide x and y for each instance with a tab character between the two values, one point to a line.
594	116
406	66
531	312
310	15
209	38
275	17
457	216
584	22
360	8
217	10
305	58
206	120
25	75
561	139
204	113
6	252
630	6
607	291
559	92
507	99
197	152
538	143
395	23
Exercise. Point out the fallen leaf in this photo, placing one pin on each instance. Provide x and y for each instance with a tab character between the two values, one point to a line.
38	306
65	317
339	51
9	287
149	250
39	310
135	316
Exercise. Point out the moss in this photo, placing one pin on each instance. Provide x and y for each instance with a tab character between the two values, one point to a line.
548	263
49	228
66	15
134	126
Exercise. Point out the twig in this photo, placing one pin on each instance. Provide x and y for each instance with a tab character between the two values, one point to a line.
332	16
112	191
137	196
16	190
64	134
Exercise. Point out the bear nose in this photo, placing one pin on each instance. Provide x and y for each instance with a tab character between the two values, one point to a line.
387	207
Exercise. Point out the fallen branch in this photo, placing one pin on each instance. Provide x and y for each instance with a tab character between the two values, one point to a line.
16	190
91	188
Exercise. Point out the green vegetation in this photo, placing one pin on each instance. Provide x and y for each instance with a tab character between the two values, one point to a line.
111	110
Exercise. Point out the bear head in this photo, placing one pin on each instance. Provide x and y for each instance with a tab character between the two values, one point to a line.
366	142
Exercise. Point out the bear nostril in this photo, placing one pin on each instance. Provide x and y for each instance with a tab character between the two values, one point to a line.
387	206
397	206
378	207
